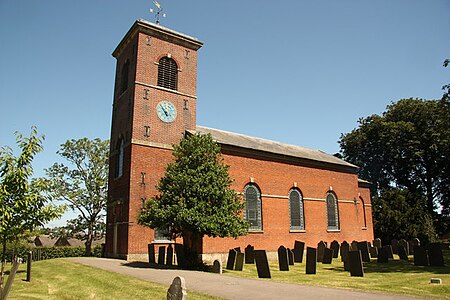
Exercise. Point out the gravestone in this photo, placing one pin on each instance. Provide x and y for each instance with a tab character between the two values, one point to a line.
249	256
231	259
161	255
238	249
335	247
405	244
354	246
327	256
262	265
414	242
402	252
181	259
390	251
345	247
364	248
177	290
299	247
435	256
311	258
320	249
394	244
169	257
151	254
356	265
383	254
373	252
217	267
290	257
239	261
283	262
420	256
377	243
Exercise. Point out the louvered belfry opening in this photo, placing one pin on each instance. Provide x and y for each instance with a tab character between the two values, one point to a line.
168	73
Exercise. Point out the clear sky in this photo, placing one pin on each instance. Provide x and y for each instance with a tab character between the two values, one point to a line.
299	72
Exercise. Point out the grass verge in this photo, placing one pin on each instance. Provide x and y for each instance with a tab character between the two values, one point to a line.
62	279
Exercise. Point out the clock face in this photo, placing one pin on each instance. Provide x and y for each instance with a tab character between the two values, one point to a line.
166	111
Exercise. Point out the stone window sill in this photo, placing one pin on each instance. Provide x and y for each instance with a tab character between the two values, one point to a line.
255	231
363	228
333	230
297	231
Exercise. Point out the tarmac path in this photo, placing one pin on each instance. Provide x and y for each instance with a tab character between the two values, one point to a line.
230	287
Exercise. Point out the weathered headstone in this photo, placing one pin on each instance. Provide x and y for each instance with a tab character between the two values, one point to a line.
311	258
364	248
356	265
414	242
394	244
239	266
420	256
238	249
169	257
435	255
335	247
389	251
290	257
383	254
161	255
405	244
377	243
320	250
283	259
262	265
402	252
151	254
181	259
373	252
249	256
177	290
327	256
231	259
299	247
345	247
354	246
217	267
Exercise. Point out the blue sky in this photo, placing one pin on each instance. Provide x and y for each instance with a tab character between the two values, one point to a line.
299	72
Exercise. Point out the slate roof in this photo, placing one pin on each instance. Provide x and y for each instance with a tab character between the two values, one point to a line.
254	143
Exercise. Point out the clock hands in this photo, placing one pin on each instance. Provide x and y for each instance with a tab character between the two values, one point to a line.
164	109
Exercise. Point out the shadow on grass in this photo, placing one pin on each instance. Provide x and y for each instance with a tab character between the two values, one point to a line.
402	266
145	265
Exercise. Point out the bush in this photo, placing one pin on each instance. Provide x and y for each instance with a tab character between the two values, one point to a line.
41	253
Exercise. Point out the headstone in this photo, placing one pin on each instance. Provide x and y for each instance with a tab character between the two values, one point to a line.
177	290
420	256
327	256
345	247
169	258
238	249
390	251
299	247
411	247
283	259
405	244
402	252
414	242
435	256
320	250
231	259
311	258
181	259
239	266
335	247
383	254
249	256
161	255
151	254
394	244
354	246
217	267
290	257
356	265
262	265
364	248
377	243
373	252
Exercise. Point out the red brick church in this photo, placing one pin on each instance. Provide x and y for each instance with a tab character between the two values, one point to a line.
290	192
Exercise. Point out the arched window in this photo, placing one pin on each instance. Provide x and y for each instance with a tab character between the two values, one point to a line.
124	79
119	163
296	210
168	73
364	211
252	198
332	212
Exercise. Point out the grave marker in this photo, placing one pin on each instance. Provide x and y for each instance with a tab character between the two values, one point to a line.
394	244
262	265
217	267
435	256
239	261
377	243
181	259
335	247
345	247
320	250
231	259
402	252
169	258
405	244
373	252
299	247
283	262
249	255
364	248
177	290
290	257
161	255
356	265
420	256
327	256
151	254
311	258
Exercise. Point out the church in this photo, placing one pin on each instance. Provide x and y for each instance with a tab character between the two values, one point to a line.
290	192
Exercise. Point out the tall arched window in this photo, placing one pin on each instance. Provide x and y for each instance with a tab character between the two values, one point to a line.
124	79
168	73
296	210
119	163
332	212
364	211
252	198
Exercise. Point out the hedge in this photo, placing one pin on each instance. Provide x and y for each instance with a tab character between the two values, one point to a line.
41	253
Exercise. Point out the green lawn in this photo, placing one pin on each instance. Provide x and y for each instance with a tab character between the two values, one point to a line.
62	279
397	277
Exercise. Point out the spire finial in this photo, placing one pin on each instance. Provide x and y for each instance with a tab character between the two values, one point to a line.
158	12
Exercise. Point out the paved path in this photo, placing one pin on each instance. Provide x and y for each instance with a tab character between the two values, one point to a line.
230	287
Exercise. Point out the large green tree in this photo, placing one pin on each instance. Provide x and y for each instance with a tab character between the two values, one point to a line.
82	185
195	196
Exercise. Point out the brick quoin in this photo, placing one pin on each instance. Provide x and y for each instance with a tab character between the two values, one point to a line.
147	152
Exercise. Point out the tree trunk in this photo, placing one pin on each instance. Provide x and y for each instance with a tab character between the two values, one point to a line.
2	276
193	243
88	242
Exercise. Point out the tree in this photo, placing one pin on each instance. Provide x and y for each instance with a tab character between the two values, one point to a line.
407	147
22	203
195	196
446	88
83	186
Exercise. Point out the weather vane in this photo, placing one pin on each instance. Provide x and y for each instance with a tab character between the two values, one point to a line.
158	12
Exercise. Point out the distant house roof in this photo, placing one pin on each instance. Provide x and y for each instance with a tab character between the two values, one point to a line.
253	143
44	241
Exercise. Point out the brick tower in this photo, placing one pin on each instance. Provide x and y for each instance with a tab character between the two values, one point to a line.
154	104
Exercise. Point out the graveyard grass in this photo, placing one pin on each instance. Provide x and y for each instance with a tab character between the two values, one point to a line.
63	279
395	277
